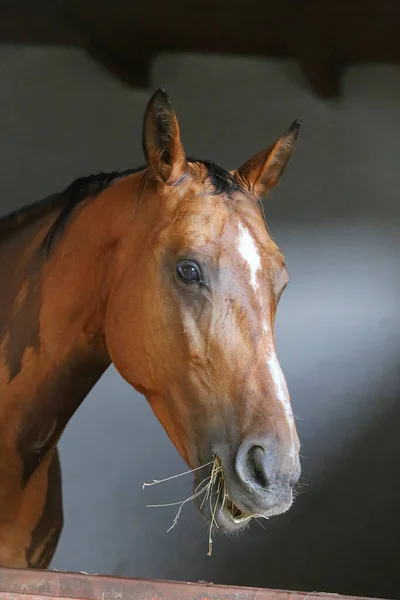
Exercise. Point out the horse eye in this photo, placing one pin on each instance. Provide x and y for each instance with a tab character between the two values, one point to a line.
189	272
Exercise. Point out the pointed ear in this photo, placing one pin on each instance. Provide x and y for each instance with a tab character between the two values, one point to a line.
162	144
262	172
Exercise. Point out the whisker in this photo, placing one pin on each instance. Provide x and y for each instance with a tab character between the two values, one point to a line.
201	483
207	487
261	525
212	523
224	498
221	485
196	493
176	518
256	516
155	481
206	496
297	417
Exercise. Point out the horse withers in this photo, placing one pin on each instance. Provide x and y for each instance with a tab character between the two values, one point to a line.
168	272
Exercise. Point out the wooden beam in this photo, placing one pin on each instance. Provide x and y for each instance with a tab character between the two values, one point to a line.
39	22
308	38
40	585
133	69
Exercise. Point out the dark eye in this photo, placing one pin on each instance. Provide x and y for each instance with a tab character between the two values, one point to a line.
189	271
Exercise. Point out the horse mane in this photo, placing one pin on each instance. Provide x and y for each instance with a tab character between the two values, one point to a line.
222	181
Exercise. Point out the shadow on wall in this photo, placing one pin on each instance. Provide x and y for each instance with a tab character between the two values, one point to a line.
325	544
341	535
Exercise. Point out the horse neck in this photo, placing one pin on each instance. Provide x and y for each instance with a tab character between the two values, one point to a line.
52	339
79	275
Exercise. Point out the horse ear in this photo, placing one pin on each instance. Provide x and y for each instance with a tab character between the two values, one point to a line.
262	172
162	144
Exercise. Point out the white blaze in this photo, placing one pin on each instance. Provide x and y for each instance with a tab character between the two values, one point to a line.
282	393
278	378
249	252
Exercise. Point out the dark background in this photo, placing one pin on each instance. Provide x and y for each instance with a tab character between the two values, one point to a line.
336	216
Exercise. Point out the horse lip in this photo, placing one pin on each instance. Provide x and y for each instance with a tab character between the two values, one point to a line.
229	516
227	522
237	514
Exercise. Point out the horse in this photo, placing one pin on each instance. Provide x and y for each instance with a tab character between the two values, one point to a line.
167	271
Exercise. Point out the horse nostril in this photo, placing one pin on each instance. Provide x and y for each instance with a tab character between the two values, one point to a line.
254	465
263	469
257	467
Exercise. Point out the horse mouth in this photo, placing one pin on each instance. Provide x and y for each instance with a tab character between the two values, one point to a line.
217	506
235	513
221	511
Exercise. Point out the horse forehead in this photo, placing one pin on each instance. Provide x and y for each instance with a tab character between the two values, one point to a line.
201	221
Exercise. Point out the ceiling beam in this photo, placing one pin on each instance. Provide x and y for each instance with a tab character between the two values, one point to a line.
306	34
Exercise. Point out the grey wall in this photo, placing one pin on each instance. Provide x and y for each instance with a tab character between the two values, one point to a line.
337	218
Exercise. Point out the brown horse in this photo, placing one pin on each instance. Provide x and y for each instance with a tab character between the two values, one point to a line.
168	272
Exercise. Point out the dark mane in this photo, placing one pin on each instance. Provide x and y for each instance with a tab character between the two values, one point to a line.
90	187
221	180
81	189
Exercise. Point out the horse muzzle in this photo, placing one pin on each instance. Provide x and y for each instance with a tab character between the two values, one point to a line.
256	482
